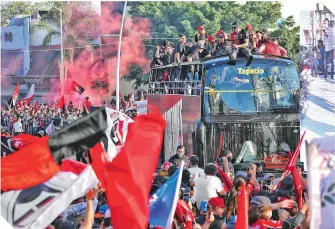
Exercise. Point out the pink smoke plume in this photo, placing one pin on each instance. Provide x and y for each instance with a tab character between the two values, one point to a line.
89	69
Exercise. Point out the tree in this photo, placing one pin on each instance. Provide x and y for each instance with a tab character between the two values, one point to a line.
169	19
288	37
136	73
74	14
12	9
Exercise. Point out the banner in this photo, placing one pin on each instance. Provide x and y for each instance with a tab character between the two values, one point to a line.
321	182
116	132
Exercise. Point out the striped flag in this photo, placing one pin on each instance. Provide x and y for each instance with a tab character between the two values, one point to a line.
39	205
12	101
30	94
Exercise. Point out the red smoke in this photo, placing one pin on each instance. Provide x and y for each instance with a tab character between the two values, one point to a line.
88	67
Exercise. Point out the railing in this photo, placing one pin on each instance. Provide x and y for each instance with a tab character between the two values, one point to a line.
28	126
188	87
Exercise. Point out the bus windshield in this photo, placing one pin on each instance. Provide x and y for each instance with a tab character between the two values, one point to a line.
263	87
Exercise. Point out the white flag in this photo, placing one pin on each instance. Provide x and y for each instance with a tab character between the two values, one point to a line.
321	182
117	129
30	94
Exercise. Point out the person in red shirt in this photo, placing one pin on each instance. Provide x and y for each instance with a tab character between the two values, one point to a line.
87	106
283	51
235	31
270	48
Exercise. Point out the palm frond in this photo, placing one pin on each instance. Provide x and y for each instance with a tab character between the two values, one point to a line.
41	25
47	39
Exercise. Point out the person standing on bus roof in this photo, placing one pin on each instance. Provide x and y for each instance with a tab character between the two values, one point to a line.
235	31
201	34
180	156
242	48
180	49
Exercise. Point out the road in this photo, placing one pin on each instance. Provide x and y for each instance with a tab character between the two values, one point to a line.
319	119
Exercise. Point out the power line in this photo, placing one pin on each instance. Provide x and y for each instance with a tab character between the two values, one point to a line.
45	50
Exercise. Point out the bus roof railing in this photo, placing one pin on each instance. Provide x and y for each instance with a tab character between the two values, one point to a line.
200	61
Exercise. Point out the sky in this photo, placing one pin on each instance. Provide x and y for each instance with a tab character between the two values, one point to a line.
291	7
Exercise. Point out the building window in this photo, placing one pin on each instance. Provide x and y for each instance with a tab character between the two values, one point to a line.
8	36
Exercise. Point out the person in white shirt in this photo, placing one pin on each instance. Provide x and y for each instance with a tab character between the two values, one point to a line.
329	48
194	170
208	186
17	127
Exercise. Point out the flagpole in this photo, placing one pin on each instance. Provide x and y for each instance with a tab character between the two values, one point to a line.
118	60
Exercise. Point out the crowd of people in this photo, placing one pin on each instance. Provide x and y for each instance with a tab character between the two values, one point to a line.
240	42
34	118
272	198
320	59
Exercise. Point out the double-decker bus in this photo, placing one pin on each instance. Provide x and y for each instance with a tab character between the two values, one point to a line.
252	111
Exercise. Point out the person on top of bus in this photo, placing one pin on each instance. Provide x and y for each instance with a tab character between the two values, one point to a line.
223	47
201	34
235	31
270	48
159	54
180	156
211	43
199	53
258	38
181	48
242	48
168	57
283	51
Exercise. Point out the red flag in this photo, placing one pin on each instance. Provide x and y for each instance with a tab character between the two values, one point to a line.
16	93
293	160
242	211
22	140
39	205
35	107
298	186
61	103
75	87
99	163
130	173
227	184
27	167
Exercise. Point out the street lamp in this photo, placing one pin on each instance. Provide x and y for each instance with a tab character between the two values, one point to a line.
118	60
61	46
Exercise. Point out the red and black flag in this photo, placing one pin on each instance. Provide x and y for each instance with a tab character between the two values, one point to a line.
75	87
61	103
13	99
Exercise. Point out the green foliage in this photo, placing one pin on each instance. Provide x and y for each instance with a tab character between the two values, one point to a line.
169	19
136	74
288	37
12	9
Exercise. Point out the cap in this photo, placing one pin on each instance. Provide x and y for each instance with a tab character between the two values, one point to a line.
221	35
286	186
210	37
219	32
260	201
216	202
265	31
203	206
200	27
248	27
201	46
166	166
194	159
242	174
268	175
64	224
102	211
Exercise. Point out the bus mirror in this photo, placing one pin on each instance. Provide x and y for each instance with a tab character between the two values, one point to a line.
200	133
